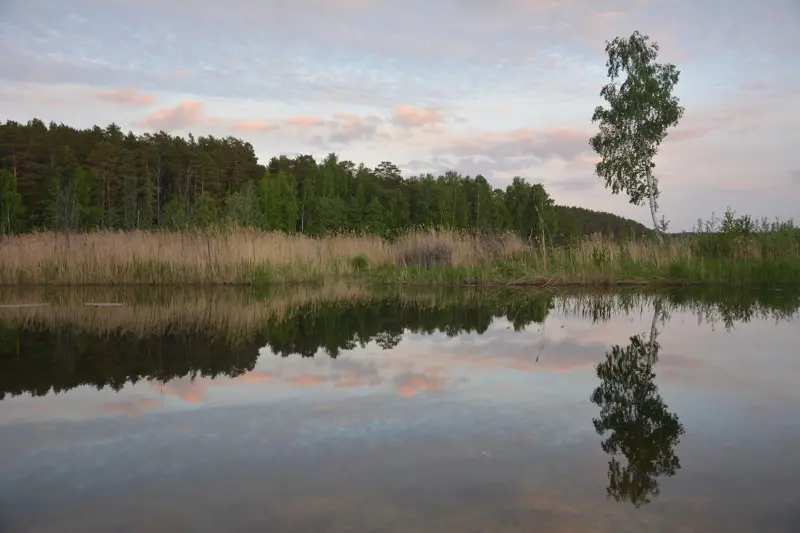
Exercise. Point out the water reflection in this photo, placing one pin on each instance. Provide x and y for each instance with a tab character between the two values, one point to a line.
162	336
639	425
473	410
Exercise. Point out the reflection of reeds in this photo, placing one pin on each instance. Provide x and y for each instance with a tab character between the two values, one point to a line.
228	311
238	313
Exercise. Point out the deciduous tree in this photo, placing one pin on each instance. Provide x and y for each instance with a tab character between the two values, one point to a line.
640	111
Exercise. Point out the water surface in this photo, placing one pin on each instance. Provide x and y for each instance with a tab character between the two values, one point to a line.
344	410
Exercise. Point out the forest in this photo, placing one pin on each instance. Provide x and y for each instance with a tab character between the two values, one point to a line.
56	177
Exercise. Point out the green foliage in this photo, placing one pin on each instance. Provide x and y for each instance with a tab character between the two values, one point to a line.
742	237
641	110
12	209
573	222
242	208
103	178
176	214
360	263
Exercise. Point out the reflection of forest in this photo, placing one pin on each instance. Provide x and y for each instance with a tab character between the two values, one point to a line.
162	337
38	360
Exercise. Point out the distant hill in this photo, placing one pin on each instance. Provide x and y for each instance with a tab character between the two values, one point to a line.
576	221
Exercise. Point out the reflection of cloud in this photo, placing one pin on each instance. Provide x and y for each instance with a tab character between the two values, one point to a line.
307	380
408	385
255	377
132	407
187	389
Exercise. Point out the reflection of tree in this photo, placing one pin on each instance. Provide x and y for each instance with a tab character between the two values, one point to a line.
40	362
641	428
338	327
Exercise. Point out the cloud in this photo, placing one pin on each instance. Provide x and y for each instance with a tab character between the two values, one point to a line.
504	152
407	116
187	114
348	127
305	121
252	126
340	128
795	176
536	145
127	96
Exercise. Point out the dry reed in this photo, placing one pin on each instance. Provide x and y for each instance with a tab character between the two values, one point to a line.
237	256
244	256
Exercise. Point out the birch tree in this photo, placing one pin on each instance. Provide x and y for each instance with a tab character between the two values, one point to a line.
640	111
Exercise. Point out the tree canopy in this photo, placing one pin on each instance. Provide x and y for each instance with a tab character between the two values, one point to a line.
62	178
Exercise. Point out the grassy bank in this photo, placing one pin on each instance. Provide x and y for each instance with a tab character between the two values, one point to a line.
249	257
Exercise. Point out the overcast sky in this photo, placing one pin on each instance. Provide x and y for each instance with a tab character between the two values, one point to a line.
498	87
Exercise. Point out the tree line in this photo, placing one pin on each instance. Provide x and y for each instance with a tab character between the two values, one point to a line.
56	177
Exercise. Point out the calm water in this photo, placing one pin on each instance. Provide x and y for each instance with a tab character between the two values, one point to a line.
472	411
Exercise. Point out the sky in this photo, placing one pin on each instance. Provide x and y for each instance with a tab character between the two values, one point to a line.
503	88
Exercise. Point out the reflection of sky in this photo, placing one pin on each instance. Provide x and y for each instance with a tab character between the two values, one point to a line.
472	425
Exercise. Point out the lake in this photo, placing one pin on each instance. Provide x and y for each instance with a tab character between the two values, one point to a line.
342	408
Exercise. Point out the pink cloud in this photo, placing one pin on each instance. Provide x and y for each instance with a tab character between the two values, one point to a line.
186	114
411	117
305	121
251	126
180	72
127	96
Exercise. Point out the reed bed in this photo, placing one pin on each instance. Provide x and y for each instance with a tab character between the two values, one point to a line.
240	256
248	257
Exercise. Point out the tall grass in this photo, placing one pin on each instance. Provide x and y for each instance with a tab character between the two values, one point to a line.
734	251
239	256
